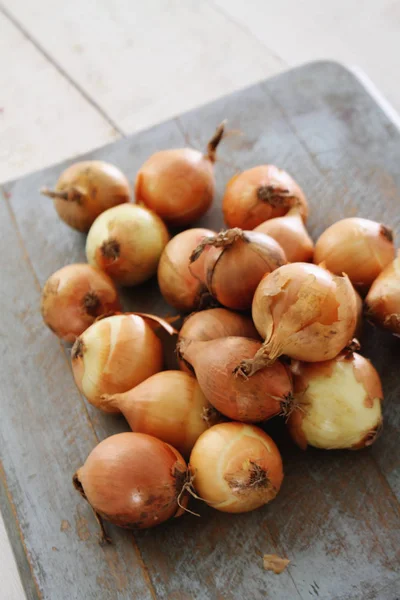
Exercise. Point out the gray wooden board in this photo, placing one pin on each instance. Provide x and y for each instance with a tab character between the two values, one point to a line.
337	517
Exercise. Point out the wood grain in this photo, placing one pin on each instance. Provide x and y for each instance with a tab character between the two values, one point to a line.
337	517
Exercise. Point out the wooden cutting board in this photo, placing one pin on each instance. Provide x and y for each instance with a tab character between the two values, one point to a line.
337	516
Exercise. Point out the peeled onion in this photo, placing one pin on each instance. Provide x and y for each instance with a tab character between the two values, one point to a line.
74	297
261	193
133	480
265	395
235	263
179	185
337	404
85	190
181	284
113	356
126	242
304	312
290	233
236	468
358	247
383	299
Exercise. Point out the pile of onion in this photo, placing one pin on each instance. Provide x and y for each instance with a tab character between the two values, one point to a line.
337	403
383	299
133	480
86	189
74	297
179	185
261	193
235	263
236	467
291	234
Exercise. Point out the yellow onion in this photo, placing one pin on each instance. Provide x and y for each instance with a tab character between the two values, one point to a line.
261	193
304	312
179	185
235	263
74	297
168	405
133	480
337	403
180	284
358	247
383	299
290	233
265	395
236	468
126	242
215	323
114	355
85	190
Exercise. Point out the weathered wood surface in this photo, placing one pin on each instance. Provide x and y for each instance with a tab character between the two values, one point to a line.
337	517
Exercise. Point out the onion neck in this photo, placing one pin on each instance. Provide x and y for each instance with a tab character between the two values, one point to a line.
71	194
213	144
224	239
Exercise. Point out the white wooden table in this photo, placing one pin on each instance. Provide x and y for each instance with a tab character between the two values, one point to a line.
76	75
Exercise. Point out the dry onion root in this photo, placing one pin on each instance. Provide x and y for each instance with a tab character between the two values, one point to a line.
358	247
236	467
126	242
133	480
338	404
85	190
259	194
170	406
304	312
235	263
267	394
179	185
181	284
114	355
383	299
74	297
291	234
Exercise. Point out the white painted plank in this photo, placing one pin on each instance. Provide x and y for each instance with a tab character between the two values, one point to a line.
10	582
43	118
146	61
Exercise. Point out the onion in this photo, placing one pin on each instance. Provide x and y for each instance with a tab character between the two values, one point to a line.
236	467
114	355
133	480
85	190
180	285
358	247
215	323
259	194
338	404
290	233
179	185
267	394
235	263
169	405
126	242
303	311
74	296
383	300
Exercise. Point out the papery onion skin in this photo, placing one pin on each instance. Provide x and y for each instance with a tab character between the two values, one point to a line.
236	467
290	233
126	242
337	404
114	355
170	406
259	194
86	189
74	297
263	396
133	480
383	300
180	283
179	185
215	323
361	248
